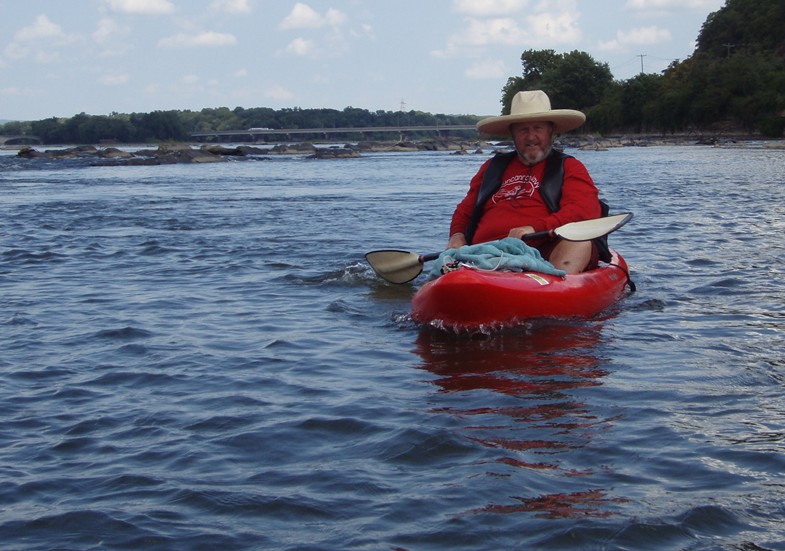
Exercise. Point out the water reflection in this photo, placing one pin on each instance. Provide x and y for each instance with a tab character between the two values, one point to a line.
519	393
591	503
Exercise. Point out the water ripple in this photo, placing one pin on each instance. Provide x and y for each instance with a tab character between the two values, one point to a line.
199	357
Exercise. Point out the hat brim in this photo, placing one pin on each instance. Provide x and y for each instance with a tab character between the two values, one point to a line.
563	120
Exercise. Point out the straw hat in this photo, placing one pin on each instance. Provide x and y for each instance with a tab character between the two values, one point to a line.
530	106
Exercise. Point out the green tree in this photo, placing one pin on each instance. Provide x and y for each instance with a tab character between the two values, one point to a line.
638	96
576	81
606	116
513	86
744	26
536	63
573	80
12	128
49	130
159	125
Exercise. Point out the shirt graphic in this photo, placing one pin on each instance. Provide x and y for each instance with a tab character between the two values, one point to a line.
517	187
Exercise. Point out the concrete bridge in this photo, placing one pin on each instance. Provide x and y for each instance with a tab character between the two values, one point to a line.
289	133
25	139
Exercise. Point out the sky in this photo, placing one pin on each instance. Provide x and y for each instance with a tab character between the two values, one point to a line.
59	59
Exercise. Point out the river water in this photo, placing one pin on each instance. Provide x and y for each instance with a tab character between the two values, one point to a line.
197	357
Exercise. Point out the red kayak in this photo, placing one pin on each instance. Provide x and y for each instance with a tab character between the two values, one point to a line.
471	299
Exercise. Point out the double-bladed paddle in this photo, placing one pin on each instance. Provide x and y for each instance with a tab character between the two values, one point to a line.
398	266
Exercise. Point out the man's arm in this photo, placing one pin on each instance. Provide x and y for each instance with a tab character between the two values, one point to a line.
456	240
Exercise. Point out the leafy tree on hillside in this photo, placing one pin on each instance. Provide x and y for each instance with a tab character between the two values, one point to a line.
576	81
638	96
734	80
605	117
744	26
535	64
512	87
573	80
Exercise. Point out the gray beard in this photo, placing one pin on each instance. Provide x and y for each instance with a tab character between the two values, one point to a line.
540	157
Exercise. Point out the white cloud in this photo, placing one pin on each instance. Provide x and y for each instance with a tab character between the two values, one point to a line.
653	5
485	8
366	30
545	25
37	41
488	69
109	29
300	46
644	35
16	51
112	36
241	73
141	7
334	18
333	41
278	93
46	57
115	80
555	21
42	29
231	6
636	37
207	38
304	16
11	91
483	32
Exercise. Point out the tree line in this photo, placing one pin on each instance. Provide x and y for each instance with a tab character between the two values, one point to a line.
178	125
733	82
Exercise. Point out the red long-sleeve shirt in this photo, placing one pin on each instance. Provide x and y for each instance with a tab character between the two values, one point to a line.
519	203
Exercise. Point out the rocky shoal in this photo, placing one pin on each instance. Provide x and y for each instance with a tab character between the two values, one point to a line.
211	153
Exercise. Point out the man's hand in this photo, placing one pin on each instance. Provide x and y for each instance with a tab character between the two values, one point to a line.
519	232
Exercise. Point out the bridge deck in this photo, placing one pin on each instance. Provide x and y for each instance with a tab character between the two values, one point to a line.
329	131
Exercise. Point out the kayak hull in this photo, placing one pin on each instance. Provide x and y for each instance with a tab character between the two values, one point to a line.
467	298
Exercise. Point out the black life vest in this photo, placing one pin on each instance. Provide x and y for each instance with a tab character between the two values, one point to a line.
550	190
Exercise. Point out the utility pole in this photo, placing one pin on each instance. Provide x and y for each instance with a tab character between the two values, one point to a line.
641	56
728	48
400	112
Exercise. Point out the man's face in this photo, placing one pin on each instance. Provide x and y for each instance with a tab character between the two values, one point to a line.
532	140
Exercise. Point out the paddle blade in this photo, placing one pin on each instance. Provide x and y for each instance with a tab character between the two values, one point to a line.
395	266
592	229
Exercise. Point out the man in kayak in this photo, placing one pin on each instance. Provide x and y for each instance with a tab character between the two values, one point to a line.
523	197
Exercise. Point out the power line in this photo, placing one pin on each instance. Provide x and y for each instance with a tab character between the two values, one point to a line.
627	62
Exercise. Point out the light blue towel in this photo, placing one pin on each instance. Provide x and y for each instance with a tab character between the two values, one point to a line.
508	254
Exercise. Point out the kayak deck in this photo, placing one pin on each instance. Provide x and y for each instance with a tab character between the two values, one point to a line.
468	298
